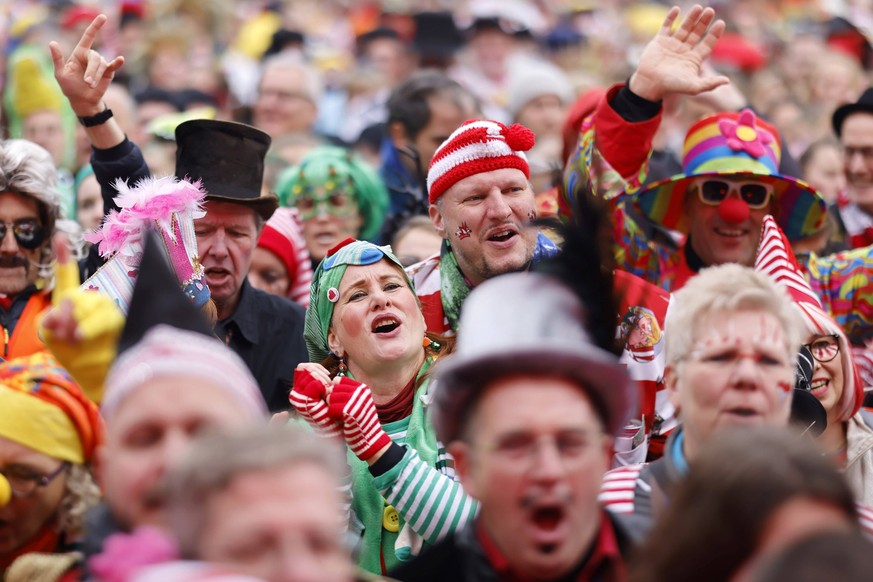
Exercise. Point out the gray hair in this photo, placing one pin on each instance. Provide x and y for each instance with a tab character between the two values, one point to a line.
27	169
728	288
313	85
213	462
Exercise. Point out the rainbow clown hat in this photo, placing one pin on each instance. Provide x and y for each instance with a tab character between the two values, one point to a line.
735	145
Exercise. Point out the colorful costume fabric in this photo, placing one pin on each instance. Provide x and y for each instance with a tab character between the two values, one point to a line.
612	158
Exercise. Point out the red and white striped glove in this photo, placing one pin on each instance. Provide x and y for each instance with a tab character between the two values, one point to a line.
308	399
351	404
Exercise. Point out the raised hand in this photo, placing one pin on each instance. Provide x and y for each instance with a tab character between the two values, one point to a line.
86	75
309	398
351	404
82	327
672	61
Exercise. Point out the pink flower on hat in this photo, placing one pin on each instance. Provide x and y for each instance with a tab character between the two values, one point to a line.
744	135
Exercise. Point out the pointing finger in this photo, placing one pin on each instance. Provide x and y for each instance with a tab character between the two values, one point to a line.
66	270
87	40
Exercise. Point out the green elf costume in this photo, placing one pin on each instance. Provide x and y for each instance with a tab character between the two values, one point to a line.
409	496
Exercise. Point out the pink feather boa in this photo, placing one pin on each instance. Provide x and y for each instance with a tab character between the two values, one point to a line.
150	201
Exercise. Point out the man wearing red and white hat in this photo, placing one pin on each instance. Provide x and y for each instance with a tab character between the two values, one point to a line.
482	204
731	179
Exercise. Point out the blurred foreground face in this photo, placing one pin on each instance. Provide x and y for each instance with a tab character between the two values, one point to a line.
740	373
794	521
151	428
536	456
280	525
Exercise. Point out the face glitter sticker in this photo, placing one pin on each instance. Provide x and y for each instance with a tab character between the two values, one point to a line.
463	231
333	294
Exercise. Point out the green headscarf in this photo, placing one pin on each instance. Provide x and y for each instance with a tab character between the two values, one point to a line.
324	291
334	165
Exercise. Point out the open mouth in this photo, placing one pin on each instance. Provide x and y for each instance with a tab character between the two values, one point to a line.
215	272
325	238
743	412
502	234
385	324
730	233
547	518
818	386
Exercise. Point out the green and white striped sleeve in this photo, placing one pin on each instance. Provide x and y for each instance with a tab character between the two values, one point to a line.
432	503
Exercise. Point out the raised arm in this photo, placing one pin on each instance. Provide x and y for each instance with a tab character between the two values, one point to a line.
672	62
84	78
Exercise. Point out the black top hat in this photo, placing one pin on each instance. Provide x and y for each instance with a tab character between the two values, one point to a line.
229	158
436	35
864	104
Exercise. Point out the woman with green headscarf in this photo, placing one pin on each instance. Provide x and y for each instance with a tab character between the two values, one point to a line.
364	324
338	196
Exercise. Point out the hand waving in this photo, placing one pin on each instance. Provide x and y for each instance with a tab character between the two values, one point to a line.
86	75
672	61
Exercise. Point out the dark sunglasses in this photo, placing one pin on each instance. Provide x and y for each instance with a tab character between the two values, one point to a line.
28	233
755	194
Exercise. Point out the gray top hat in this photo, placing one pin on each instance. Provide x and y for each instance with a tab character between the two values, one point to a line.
528	323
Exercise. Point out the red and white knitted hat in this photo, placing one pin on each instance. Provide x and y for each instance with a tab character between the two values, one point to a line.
478	146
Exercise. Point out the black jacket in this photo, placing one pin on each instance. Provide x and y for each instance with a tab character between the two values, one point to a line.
267	333
460	558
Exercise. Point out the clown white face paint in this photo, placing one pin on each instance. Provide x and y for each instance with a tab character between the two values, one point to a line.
741	373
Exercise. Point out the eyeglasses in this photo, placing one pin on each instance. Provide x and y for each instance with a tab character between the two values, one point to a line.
755	194
824	348
523	451
28	233
24	481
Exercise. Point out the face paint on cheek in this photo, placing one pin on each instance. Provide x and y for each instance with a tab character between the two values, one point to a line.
785	387
463	231
532	215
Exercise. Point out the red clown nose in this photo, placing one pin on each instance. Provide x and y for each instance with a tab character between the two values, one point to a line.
733	210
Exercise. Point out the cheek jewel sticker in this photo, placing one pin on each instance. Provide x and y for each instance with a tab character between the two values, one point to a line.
333	294
463	231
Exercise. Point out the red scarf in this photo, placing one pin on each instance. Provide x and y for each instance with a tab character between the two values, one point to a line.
46	541
398	407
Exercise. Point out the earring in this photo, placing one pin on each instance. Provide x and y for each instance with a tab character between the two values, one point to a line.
429	343
342	366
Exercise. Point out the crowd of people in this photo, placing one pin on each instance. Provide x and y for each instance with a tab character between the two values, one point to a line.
486	291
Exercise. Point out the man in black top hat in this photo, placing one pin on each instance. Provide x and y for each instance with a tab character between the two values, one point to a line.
265	330
853	124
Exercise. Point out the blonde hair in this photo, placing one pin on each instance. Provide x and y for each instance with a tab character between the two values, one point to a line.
80	494
728	288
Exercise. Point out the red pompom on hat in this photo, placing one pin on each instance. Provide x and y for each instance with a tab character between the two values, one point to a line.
478	146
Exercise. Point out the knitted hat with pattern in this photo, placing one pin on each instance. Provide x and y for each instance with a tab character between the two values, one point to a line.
478	146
